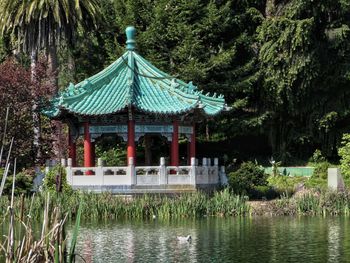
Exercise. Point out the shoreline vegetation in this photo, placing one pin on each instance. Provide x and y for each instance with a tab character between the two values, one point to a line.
196	205
26	239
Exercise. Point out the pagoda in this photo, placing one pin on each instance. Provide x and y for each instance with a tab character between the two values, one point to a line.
132	98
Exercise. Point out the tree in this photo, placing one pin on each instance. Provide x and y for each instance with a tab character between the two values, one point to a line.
41	25
304	64
17	94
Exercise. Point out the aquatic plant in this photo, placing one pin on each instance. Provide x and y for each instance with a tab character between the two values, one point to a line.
224	203
106	205
320	203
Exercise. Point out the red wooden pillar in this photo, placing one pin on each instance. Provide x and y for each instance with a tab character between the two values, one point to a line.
93	154
175	144
87	146
72	150
131	151
193	143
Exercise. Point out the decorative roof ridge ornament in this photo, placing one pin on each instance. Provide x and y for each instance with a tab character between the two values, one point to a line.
174	83
130	32
191	88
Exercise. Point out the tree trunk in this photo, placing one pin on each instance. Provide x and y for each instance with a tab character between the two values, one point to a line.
58	141
207	135
35	114
270	8
53	66
71	66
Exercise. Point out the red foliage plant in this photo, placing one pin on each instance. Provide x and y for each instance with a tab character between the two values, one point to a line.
19	92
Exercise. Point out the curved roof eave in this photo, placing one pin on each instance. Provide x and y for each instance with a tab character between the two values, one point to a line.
132	80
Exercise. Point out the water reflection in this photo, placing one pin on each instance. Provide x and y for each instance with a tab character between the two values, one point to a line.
333	242
261	239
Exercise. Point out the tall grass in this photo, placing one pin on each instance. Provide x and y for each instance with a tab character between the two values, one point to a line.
221	203
310	203
31	245
106	205
49	246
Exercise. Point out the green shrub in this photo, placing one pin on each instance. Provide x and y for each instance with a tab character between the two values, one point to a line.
286	184
316	183
246	178
113	157
23	183
56	180
321	170
264	192
344	153
317	157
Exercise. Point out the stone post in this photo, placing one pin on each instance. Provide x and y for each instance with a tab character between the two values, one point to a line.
335	179
216	161
204	162
69	171
131	171
63	162
99	172
205	176
163	178
193	171
99	162
223	177
216	172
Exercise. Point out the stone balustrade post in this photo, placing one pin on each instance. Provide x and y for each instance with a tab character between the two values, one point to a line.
131	171
204	162
208	162
205	174
163	178
216	172
193	171
216	161
223	177
69	171
99	171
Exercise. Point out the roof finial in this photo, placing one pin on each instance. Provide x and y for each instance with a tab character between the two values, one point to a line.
130	36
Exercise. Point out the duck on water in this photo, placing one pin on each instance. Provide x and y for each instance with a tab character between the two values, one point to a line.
184	239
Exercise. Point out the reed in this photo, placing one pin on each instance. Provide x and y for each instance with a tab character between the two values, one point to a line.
29	248
106	205
324	203
49	244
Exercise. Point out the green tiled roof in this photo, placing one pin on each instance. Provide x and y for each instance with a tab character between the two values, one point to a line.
132	81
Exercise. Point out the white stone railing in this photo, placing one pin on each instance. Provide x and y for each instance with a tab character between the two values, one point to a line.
130	175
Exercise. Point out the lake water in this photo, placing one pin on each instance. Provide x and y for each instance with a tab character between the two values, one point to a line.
257	239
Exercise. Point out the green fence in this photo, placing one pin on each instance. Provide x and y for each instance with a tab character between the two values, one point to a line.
292	171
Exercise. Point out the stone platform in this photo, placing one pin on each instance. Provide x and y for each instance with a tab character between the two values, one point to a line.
133	179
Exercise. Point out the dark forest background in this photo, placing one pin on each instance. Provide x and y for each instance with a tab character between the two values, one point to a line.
282	65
